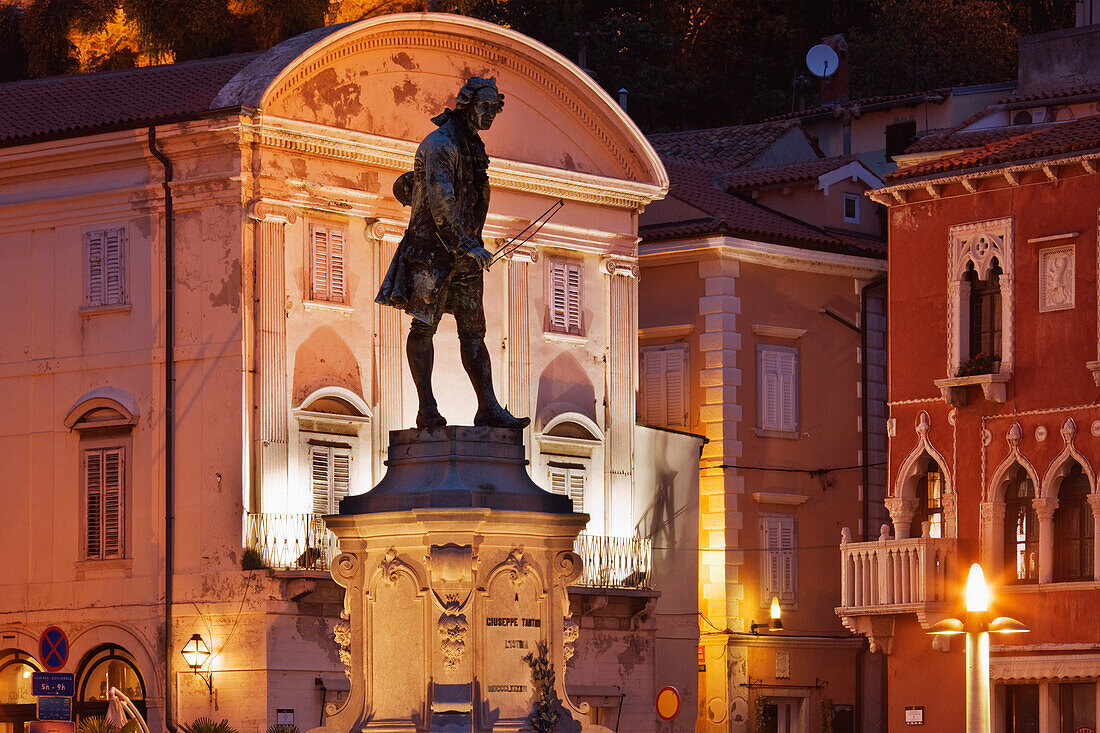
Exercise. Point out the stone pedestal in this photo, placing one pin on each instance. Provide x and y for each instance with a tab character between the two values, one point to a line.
456	567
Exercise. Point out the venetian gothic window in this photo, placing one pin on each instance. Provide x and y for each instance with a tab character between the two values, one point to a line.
1073	528
980	294
985	312
929	493
1021	529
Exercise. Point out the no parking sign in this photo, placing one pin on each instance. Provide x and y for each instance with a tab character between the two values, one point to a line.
53	648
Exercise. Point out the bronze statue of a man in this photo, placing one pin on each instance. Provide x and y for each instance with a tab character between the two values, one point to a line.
438	266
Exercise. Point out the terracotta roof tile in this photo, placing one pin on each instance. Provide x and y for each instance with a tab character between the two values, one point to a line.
1061	138
731	214
777	175
880	102
84	102
720	148
1083	91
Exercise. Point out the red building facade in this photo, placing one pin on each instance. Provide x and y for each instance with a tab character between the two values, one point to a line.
994	423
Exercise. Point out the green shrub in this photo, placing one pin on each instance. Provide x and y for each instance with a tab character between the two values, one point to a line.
251	559
95	724
206	725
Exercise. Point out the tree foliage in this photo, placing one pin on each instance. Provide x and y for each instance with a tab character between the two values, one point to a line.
684	63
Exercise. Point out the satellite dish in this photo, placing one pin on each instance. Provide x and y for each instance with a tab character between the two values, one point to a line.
822	60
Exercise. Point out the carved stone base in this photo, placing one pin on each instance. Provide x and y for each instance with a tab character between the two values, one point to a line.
444	602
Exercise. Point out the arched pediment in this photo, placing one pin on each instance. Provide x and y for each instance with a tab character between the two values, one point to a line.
104	407
388	76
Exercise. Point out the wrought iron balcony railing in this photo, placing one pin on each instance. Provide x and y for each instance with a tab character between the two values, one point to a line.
895	576
614	562
291	541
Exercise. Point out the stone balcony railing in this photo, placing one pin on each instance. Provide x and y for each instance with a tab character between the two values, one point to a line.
882	579
290	541
614	562
302	542
896	576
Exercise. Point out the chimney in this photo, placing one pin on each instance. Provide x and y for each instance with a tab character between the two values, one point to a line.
622	98
835	88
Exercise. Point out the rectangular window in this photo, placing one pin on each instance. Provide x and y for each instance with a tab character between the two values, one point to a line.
565	297
104	267
665	385
330	476
778	567
777	388
567	479
1077	707
899	136
1021	708
851	208
327	280
103	489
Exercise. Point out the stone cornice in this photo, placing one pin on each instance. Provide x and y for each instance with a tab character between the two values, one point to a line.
780	256
971	179
319	140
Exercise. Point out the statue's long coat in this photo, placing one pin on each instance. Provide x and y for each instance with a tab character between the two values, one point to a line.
450	198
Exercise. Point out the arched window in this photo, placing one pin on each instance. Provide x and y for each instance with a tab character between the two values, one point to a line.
985	311
17	704
568	443
930	501
103	668
1021	530
1073	528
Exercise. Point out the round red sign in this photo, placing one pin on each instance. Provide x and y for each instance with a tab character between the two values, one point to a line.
53	648
668	703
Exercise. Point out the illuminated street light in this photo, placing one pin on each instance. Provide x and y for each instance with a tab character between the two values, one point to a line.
195	653
977	629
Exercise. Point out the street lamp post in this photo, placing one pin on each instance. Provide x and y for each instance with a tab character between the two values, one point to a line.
977	628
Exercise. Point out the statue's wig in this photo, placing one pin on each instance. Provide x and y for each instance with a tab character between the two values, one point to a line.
469	90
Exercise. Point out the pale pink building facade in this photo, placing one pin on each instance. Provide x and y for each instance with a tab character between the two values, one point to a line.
287	377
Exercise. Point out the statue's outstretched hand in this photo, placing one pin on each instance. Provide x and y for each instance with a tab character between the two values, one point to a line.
482	255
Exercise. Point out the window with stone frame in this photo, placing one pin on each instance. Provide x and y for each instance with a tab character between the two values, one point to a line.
1021	530
1073	528
568	479
327	277
329	476
779	565
985	312
104	500
777	389
105	267
980	297
929	502
664	388
564	297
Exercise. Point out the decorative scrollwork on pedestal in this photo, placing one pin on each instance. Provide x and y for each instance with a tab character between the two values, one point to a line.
342	634
391	566
516	566
569	566
452	627
344	568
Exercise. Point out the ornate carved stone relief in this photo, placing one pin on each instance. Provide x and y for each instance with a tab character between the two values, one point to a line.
1056	279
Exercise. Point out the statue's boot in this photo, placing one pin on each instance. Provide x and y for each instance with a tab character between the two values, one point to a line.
475	358
421	354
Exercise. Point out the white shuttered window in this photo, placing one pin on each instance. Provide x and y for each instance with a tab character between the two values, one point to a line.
103	488
565	297
777	388
327	277
330	476
665	385
568	480
778	568
104	267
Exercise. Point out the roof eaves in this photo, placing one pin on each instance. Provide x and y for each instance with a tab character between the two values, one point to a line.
132	124
957	175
